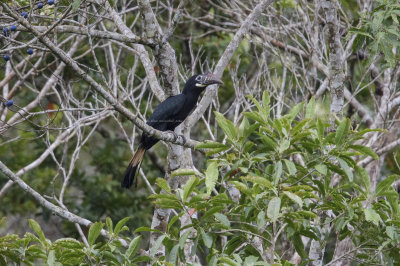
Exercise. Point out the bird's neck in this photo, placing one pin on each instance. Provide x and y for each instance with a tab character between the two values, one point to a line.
191	97
191	92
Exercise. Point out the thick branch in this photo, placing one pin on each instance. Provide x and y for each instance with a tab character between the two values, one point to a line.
336	60
163	51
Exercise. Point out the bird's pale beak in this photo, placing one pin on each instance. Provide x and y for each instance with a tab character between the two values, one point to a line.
210	79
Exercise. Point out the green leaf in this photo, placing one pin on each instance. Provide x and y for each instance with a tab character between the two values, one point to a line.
133	247
141	259
372	216
365	150
298	128
294	111
277	125
228	261
212	211
273	209
173	220
385	184
157	245
242	187
260	220
163	184
258	180
183	172
395	20
391	232
207	238
373	49
168	204
237	258
163	196
223	219
377	20
226	125
173	255
290	166
263	111
362	172
255	116
183	238
189	187
358	42
265	99
75	5
342	131
120	225
147	229
310	109
346	169
394	203
36	228
268	141
285	144
244	125
94	232
69	243
298	245
51	258
277	173
386	47
253	260
321	168
307	214
360	32
211	177
294	198
109	224
211	152
320	128
211	145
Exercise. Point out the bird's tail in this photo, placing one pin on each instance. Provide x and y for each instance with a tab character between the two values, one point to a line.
134	165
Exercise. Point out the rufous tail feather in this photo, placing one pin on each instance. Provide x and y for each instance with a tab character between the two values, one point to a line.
134	165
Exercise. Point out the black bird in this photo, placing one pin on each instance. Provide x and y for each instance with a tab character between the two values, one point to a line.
167	116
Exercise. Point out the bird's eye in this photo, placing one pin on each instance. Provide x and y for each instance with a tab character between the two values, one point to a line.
198	78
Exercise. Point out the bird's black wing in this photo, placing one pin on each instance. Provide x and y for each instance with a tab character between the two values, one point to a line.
166	112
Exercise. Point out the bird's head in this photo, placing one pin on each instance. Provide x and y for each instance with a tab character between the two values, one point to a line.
200	82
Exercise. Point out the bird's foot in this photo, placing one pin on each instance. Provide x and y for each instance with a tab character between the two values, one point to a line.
183	138
176	136
173	133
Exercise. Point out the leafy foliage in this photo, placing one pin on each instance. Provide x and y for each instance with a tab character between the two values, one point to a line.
34	249
380	34
283	169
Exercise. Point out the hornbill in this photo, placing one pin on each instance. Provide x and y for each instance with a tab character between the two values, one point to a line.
167	116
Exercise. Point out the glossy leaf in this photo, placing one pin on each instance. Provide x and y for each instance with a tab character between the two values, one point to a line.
274	209
189	187
342	131
211	177
94	232
133	247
